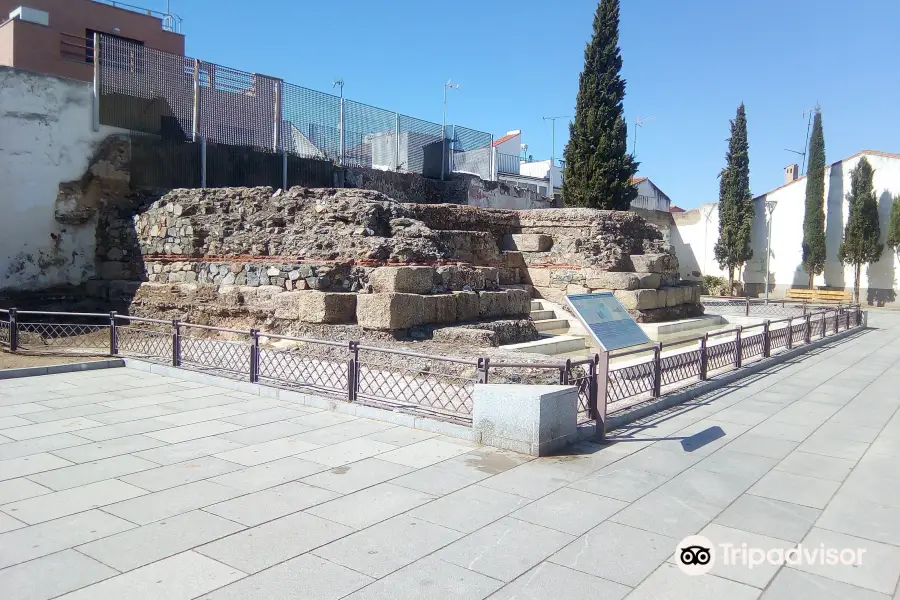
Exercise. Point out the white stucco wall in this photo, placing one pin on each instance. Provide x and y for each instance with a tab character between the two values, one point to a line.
46	138
696	231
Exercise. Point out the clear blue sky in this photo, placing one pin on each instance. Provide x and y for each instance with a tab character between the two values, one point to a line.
689	64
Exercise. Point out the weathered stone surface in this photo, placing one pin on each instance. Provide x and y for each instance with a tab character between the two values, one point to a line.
390	311
550	294
649	263
467	306
440	308
466	335
674	297
505	303
509	275
326	307
648	281
490	276
611	280
574	289
287	305
513	258
405	280
538	277
527	242
638	299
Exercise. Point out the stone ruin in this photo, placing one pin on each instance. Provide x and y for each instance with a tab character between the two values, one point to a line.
344	260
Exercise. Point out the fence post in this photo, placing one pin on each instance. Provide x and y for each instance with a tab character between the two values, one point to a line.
598	396
276	133
95	106
747	307
806	333
564	372
846	320
824	321
491	158
353	371
341	133
176	343
202	162
195	134
837	316
657	370
284	173
481	371
737	347
704	356
254	355
767	342
789	339
113	334
13	330
397	145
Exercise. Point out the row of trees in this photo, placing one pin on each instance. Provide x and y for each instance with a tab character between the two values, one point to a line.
599	169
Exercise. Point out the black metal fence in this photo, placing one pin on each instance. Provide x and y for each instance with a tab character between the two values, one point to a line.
650	374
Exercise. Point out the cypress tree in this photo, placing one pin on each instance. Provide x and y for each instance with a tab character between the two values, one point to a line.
893	237
735	202
814	217
598	167
860	245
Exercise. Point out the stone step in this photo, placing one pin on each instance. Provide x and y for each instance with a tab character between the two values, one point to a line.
542	315
555	325
536	305
550	345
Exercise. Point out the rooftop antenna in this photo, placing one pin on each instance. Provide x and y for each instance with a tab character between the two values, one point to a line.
639	123
809	116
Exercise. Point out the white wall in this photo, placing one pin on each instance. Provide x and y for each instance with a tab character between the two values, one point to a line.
45	138
696	231
542	169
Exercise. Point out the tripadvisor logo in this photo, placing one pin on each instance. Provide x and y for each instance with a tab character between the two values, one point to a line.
696	555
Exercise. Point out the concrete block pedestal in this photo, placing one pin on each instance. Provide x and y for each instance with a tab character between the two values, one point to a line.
530	419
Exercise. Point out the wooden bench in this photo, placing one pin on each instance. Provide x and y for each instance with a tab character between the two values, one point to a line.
805	295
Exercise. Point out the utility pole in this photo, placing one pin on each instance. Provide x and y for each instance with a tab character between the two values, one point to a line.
638	122
809	117
553	136
447	86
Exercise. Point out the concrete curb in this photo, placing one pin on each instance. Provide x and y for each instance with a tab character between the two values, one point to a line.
334	405
64	368
719	381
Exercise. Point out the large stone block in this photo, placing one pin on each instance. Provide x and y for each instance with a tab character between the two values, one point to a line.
649	263
326	307
527	242
510	275
287	305
405	280
513	258
390	311
538	277
490	276
505	303
675	297
638	299
440	308
609	280
662	296
531	419
550	294
648	281
466	306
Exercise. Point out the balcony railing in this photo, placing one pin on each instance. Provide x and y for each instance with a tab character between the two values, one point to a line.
170	22
507	163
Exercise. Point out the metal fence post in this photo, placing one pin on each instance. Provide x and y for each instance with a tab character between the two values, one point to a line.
95	107
341	133
789	339
353	371
657	370
176	343
846	320
397	145
276	133
13	330
767	340
824	321
565	371
284	172
481	371
747	307
202	162
113	334
737	347
491	159
195	134
837	316
598	397
254	355
704	356
806	333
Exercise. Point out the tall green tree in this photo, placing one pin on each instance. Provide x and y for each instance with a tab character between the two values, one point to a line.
814	217
893	236
735	202
598	167
860	245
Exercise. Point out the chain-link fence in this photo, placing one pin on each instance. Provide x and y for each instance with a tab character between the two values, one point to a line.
264	121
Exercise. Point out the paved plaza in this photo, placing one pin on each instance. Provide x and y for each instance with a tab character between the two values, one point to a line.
120	484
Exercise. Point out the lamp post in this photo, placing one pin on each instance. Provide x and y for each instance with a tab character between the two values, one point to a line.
553	135
770	208
447	86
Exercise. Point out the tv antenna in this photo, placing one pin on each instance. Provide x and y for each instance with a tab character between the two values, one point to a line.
809	117
639	123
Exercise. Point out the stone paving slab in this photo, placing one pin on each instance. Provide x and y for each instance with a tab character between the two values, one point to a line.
127	484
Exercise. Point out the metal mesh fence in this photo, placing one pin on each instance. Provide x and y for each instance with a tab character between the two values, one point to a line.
415	136
679	367
223	357
752	345
147	341
311	123
471	152
630	381
44	336
306	367
370	136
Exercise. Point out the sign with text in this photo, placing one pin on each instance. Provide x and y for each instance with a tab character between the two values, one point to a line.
607	320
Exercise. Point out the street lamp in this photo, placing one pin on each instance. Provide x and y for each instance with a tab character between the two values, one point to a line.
770	208
447	86
553	135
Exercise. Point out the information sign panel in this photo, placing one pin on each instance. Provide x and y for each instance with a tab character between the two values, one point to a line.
607	320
